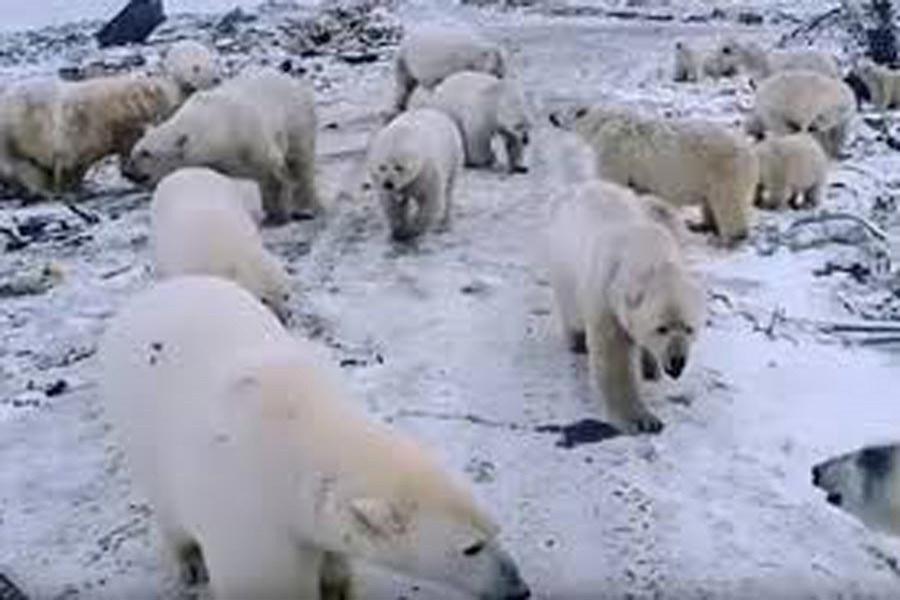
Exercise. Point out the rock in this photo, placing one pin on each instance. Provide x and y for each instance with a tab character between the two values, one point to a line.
133	24
227	25
749	18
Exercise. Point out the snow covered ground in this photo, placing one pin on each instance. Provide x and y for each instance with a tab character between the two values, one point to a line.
455	341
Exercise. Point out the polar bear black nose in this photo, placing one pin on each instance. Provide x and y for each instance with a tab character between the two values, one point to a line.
834	498
676	366
389	185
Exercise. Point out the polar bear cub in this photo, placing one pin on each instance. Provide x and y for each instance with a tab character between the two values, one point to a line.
804	102
428	55
623	290
684	162
793	170
203	223
52	132
260	125
260	469
192	65
413	163
484	106
882	84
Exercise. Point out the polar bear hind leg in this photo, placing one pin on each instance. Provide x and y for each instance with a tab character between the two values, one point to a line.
336	578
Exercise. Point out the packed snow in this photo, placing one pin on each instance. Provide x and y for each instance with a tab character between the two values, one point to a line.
455	341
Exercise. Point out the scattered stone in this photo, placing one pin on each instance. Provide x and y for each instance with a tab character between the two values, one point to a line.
133	24
586	431
228	24
750	18
481	471
57	388
31	283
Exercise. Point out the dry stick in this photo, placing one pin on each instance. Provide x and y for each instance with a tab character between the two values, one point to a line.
87	217
809	26
862	328
873	229
16	239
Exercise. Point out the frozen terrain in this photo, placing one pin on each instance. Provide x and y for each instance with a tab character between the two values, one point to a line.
455	341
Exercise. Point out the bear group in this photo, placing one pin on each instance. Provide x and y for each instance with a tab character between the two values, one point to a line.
264	478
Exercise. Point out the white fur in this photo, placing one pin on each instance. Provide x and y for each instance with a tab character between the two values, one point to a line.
192	65
484	107
203	223
732	56
882	83
254	458
684	162
52	132
260	125
413	163
804	102
428	55
793	170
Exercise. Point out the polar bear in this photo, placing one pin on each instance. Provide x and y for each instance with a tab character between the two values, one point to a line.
622	292
192	66
685	162
882	84
52	131
413	163
688	62
804	101
483	107
202	223
866	484
262	473
732	56
793	170
428	55
260	125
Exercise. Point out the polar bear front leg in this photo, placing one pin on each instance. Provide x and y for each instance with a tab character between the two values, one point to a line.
244	565
302	165
515	151
610	354
336	578
405	85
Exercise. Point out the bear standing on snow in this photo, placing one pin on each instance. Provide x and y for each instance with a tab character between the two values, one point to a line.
732	55
793	170
688	63
260	125
192	66
427	56
202	223
262	474
684	162
623	292
882	84
483	107
804	102
413	163
52	132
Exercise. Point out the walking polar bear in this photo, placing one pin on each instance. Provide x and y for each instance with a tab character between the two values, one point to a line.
428	55
260	126
793	170
732	55
262	474
623	292
484	107
683	162
413	163
203	223
192	66
804	102
52	131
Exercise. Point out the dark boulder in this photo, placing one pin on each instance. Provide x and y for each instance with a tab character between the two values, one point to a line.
133	24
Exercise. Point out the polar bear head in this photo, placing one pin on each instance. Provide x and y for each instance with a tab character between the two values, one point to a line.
393	171
662	312
512	113
161	151
586	120
866	484
269	282
431	539
726	59
192	65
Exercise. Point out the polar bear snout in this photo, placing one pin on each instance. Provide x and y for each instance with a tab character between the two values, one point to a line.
676	357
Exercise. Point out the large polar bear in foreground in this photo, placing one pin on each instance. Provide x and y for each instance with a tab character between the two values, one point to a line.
485	107
255	461
623	292
804	102
52	132
684	162
428	55
260	125
413	163
204	223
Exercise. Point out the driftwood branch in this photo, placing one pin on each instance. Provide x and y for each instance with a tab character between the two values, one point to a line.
870	227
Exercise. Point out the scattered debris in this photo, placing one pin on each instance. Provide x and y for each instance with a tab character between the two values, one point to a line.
31	283
9	591
579	433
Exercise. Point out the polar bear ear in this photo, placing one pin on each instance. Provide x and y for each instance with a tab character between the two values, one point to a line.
378	518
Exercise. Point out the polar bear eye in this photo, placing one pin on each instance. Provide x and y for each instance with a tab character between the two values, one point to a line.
382	168
662	330
474	549
398	168
689	330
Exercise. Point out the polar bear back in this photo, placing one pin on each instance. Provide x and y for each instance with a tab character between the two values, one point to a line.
433	53
790	101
